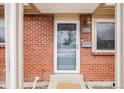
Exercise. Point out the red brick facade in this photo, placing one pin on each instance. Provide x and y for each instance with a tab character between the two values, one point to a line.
2	63
38	46
38	52
94	67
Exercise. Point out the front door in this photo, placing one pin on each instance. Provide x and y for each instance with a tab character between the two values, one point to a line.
67	46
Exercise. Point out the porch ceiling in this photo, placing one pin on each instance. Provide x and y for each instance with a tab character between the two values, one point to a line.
66	7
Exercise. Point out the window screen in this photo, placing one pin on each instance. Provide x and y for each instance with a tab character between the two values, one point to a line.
105	35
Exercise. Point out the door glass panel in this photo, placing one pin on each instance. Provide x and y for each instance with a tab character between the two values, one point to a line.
66	46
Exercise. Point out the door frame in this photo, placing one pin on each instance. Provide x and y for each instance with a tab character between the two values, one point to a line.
77	46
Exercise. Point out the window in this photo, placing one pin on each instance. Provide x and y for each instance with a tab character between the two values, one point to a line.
2	33
104	36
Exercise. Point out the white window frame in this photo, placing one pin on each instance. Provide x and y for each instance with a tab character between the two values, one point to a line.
77	46
94	35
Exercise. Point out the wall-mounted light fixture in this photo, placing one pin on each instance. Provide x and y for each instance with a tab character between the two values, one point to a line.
87	25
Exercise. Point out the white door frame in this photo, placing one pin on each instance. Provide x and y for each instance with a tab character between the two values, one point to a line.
77	46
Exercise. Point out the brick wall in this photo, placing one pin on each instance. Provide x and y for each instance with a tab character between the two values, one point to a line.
38	46
2	64
2	54
94	67
38	52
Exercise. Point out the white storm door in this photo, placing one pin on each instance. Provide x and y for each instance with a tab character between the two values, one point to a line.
67	46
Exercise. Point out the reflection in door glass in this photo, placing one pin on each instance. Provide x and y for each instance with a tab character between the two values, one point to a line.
66	47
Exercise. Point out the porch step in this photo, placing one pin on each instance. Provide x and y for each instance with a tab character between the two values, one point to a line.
72	78
67	77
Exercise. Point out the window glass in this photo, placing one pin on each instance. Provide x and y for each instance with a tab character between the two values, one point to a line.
65	27
105	35
2	34
66	46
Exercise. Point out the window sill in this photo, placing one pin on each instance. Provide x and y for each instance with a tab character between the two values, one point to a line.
2	45
103	53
